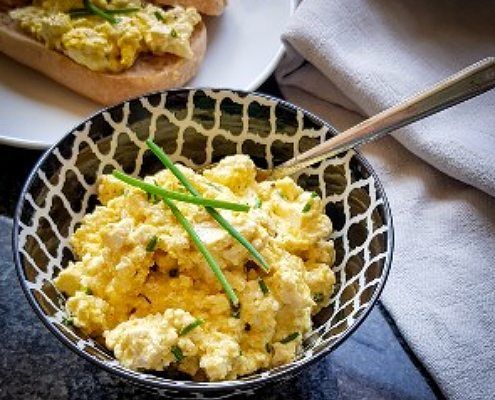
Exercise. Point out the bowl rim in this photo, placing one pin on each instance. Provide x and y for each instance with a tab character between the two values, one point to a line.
184	386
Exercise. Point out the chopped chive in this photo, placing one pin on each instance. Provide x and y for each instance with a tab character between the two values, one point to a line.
263	286
214	213
153	199
318	297
87	290
68	321
257	203
151	246
283	196
213	186
159	191
98	11
307	206
190	327
290	337
204	250
158	16
173	273
83	12
177	352
173	33
163	193
268	348
314	194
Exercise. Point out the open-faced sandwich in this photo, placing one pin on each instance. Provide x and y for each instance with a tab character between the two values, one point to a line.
107	50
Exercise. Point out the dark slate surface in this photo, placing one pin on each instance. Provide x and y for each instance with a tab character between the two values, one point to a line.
371	364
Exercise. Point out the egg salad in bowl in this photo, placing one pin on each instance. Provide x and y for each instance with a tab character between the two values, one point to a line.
142	285
150	243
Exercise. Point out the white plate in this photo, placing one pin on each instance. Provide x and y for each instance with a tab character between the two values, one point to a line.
243	50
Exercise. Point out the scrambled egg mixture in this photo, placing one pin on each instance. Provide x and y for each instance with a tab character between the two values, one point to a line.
141	283
94	42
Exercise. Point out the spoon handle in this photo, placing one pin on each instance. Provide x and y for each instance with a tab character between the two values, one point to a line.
468	83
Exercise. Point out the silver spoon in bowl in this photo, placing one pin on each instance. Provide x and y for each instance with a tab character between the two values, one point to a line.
469	82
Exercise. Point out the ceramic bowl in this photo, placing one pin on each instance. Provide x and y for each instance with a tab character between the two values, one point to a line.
198	127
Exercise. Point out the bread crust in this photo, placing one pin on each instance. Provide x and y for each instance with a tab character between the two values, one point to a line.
209	7
149	72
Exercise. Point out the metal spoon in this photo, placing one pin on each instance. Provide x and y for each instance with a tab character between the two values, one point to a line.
470	82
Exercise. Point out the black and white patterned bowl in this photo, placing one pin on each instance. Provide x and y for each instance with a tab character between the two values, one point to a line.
198	127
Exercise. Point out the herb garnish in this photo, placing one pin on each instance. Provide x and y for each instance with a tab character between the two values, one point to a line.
93	9
173	33
151	246
309	204
290	337
68	321
163	193
263	286
214	213
204	250
318	297
177	352
257	203
158	16
190	327
87	290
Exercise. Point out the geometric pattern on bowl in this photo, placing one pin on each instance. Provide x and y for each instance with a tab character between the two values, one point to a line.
198	127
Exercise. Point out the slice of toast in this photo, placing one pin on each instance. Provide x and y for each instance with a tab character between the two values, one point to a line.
149	72
209	7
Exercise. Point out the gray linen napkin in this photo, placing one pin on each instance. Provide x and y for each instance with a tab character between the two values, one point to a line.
350	58
368	55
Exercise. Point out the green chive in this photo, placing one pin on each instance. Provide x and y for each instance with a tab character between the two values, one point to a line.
290	337
68	321
214	213
314	194
173	33
190	327
98	11
318	297
87	290
257	203
213	186
158	16
151	246
307	206
204	250
263	286
163	193
177	352
283	196
268	348
83	12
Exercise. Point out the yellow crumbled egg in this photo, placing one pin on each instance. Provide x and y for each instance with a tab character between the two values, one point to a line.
100	45
139	279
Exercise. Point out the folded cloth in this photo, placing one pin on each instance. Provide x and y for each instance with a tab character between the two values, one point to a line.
348	59
368	55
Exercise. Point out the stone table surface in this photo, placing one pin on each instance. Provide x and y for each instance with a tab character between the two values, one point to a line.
373	363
